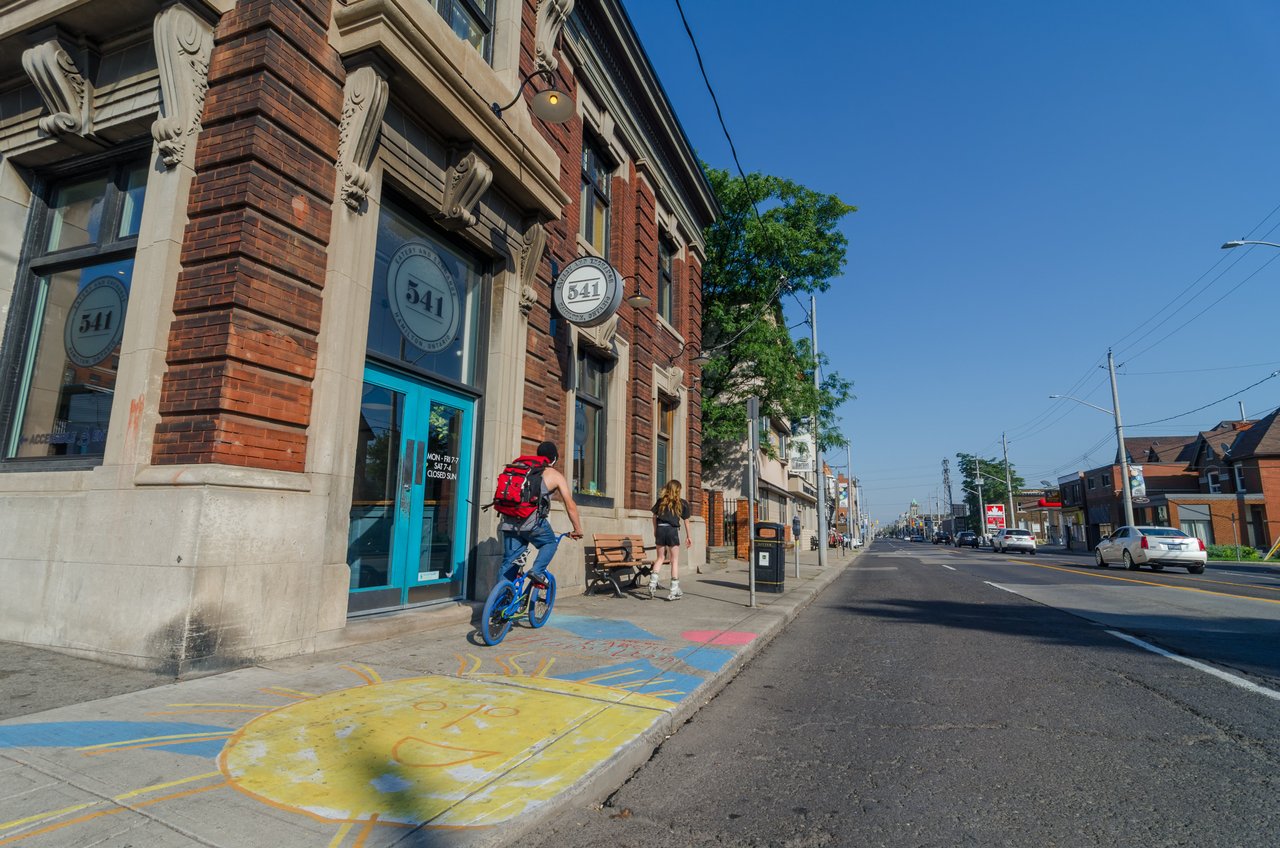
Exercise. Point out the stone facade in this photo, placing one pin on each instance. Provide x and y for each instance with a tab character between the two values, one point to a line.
199	495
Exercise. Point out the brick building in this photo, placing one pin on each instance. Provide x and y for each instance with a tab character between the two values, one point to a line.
1220	485
279	300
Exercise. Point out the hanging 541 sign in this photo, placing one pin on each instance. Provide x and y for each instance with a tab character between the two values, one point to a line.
588	291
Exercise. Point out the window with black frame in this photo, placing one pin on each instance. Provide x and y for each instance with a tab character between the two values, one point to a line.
472	21
67	322
666	287
596	175
666	434
591	426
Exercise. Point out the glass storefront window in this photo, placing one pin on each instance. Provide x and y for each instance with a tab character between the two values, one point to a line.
426	300
77	214
71	304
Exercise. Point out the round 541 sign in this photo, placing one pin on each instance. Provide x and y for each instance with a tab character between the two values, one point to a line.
588	291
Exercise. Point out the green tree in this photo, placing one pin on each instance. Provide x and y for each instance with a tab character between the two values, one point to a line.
993	488
792	247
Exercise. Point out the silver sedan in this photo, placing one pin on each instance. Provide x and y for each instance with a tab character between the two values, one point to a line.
1153	546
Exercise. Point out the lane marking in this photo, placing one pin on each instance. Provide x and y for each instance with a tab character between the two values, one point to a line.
947	567
1103	576
1199	666
1005	589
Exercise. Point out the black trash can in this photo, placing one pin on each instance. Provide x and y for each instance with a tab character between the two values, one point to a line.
770	557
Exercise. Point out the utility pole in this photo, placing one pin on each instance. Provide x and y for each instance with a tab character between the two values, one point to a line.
1008	480
982	505
817	435
946	492
850	500
1123	454
753	445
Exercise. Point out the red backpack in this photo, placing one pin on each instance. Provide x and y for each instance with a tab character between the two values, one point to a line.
519	491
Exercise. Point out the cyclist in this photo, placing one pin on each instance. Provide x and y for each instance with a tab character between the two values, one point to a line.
536	529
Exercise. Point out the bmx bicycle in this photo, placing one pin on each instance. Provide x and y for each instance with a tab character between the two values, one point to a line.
513	599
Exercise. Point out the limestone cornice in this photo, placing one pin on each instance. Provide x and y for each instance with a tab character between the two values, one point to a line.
18	16
448	85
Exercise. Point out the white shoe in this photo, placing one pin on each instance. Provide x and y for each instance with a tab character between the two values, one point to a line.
653	585
675	593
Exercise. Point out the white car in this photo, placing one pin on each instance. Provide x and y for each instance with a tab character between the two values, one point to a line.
1153	546
1014	539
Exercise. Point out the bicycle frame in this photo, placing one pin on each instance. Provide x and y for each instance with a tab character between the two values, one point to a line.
519	606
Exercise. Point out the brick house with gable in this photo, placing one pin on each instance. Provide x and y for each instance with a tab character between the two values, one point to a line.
283	307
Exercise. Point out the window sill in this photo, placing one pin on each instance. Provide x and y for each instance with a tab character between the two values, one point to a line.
583	499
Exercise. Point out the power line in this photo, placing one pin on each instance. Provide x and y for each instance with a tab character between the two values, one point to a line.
1272	375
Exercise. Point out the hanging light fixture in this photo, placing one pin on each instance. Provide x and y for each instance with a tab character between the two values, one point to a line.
639	299
550	104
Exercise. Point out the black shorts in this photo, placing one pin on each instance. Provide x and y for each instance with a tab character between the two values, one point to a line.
667	535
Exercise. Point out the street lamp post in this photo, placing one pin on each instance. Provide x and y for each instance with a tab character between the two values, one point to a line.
1115	412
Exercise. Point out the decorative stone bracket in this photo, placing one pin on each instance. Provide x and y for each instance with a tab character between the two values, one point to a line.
600	338
531	248
668	381
66	91
183	43
464	183
550	20
364	101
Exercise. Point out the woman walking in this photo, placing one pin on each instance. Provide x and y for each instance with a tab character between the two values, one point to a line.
668	512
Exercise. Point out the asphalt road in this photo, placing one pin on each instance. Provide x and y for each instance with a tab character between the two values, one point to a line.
933	697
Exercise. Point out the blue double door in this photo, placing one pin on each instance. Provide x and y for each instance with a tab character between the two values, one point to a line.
411	495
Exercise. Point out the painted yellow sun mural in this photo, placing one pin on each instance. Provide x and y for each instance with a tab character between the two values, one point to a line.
449	751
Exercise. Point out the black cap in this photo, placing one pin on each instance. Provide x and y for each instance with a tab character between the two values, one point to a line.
549	450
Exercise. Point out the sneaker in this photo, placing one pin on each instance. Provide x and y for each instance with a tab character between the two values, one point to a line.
653	585
675	594
539	580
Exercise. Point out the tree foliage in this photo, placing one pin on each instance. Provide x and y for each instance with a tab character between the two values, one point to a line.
993	489
793	247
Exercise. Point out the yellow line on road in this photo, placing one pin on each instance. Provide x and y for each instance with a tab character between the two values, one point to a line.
1144	582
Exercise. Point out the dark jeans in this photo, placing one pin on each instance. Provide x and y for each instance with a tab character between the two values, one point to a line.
541	536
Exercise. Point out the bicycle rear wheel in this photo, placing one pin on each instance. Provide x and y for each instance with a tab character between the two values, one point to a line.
494	621
542	601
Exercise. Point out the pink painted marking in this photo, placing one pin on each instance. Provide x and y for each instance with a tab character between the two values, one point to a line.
718	637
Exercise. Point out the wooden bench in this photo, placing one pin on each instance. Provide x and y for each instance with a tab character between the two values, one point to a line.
615	557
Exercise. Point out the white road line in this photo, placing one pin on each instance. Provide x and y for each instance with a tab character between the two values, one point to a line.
947	567
1199	666
1001	588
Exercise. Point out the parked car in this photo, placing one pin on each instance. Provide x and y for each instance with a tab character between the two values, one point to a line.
919	537
1153	546
966	537
942	537
1014	539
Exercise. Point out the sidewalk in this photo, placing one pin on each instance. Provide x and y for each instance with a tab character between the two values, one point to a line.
429	739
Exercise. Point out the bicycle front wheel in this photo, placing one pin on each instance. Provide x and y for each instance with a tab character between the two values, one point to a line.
495	621
542	601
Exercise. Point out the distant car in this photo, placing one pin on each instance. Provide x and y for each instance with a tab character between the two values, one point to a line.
1153	546
1014	539
942	537
966	538
919	537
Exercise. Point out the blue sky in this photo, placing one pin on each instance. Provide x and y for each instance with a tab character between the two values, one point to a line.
1035	182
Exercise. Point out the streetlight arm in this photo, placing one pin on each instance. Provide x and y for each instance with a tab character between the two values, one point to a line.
1243	242
1086	403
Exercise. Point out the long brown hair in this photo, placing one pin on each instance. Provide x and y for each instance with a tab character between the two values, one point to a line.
669	498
